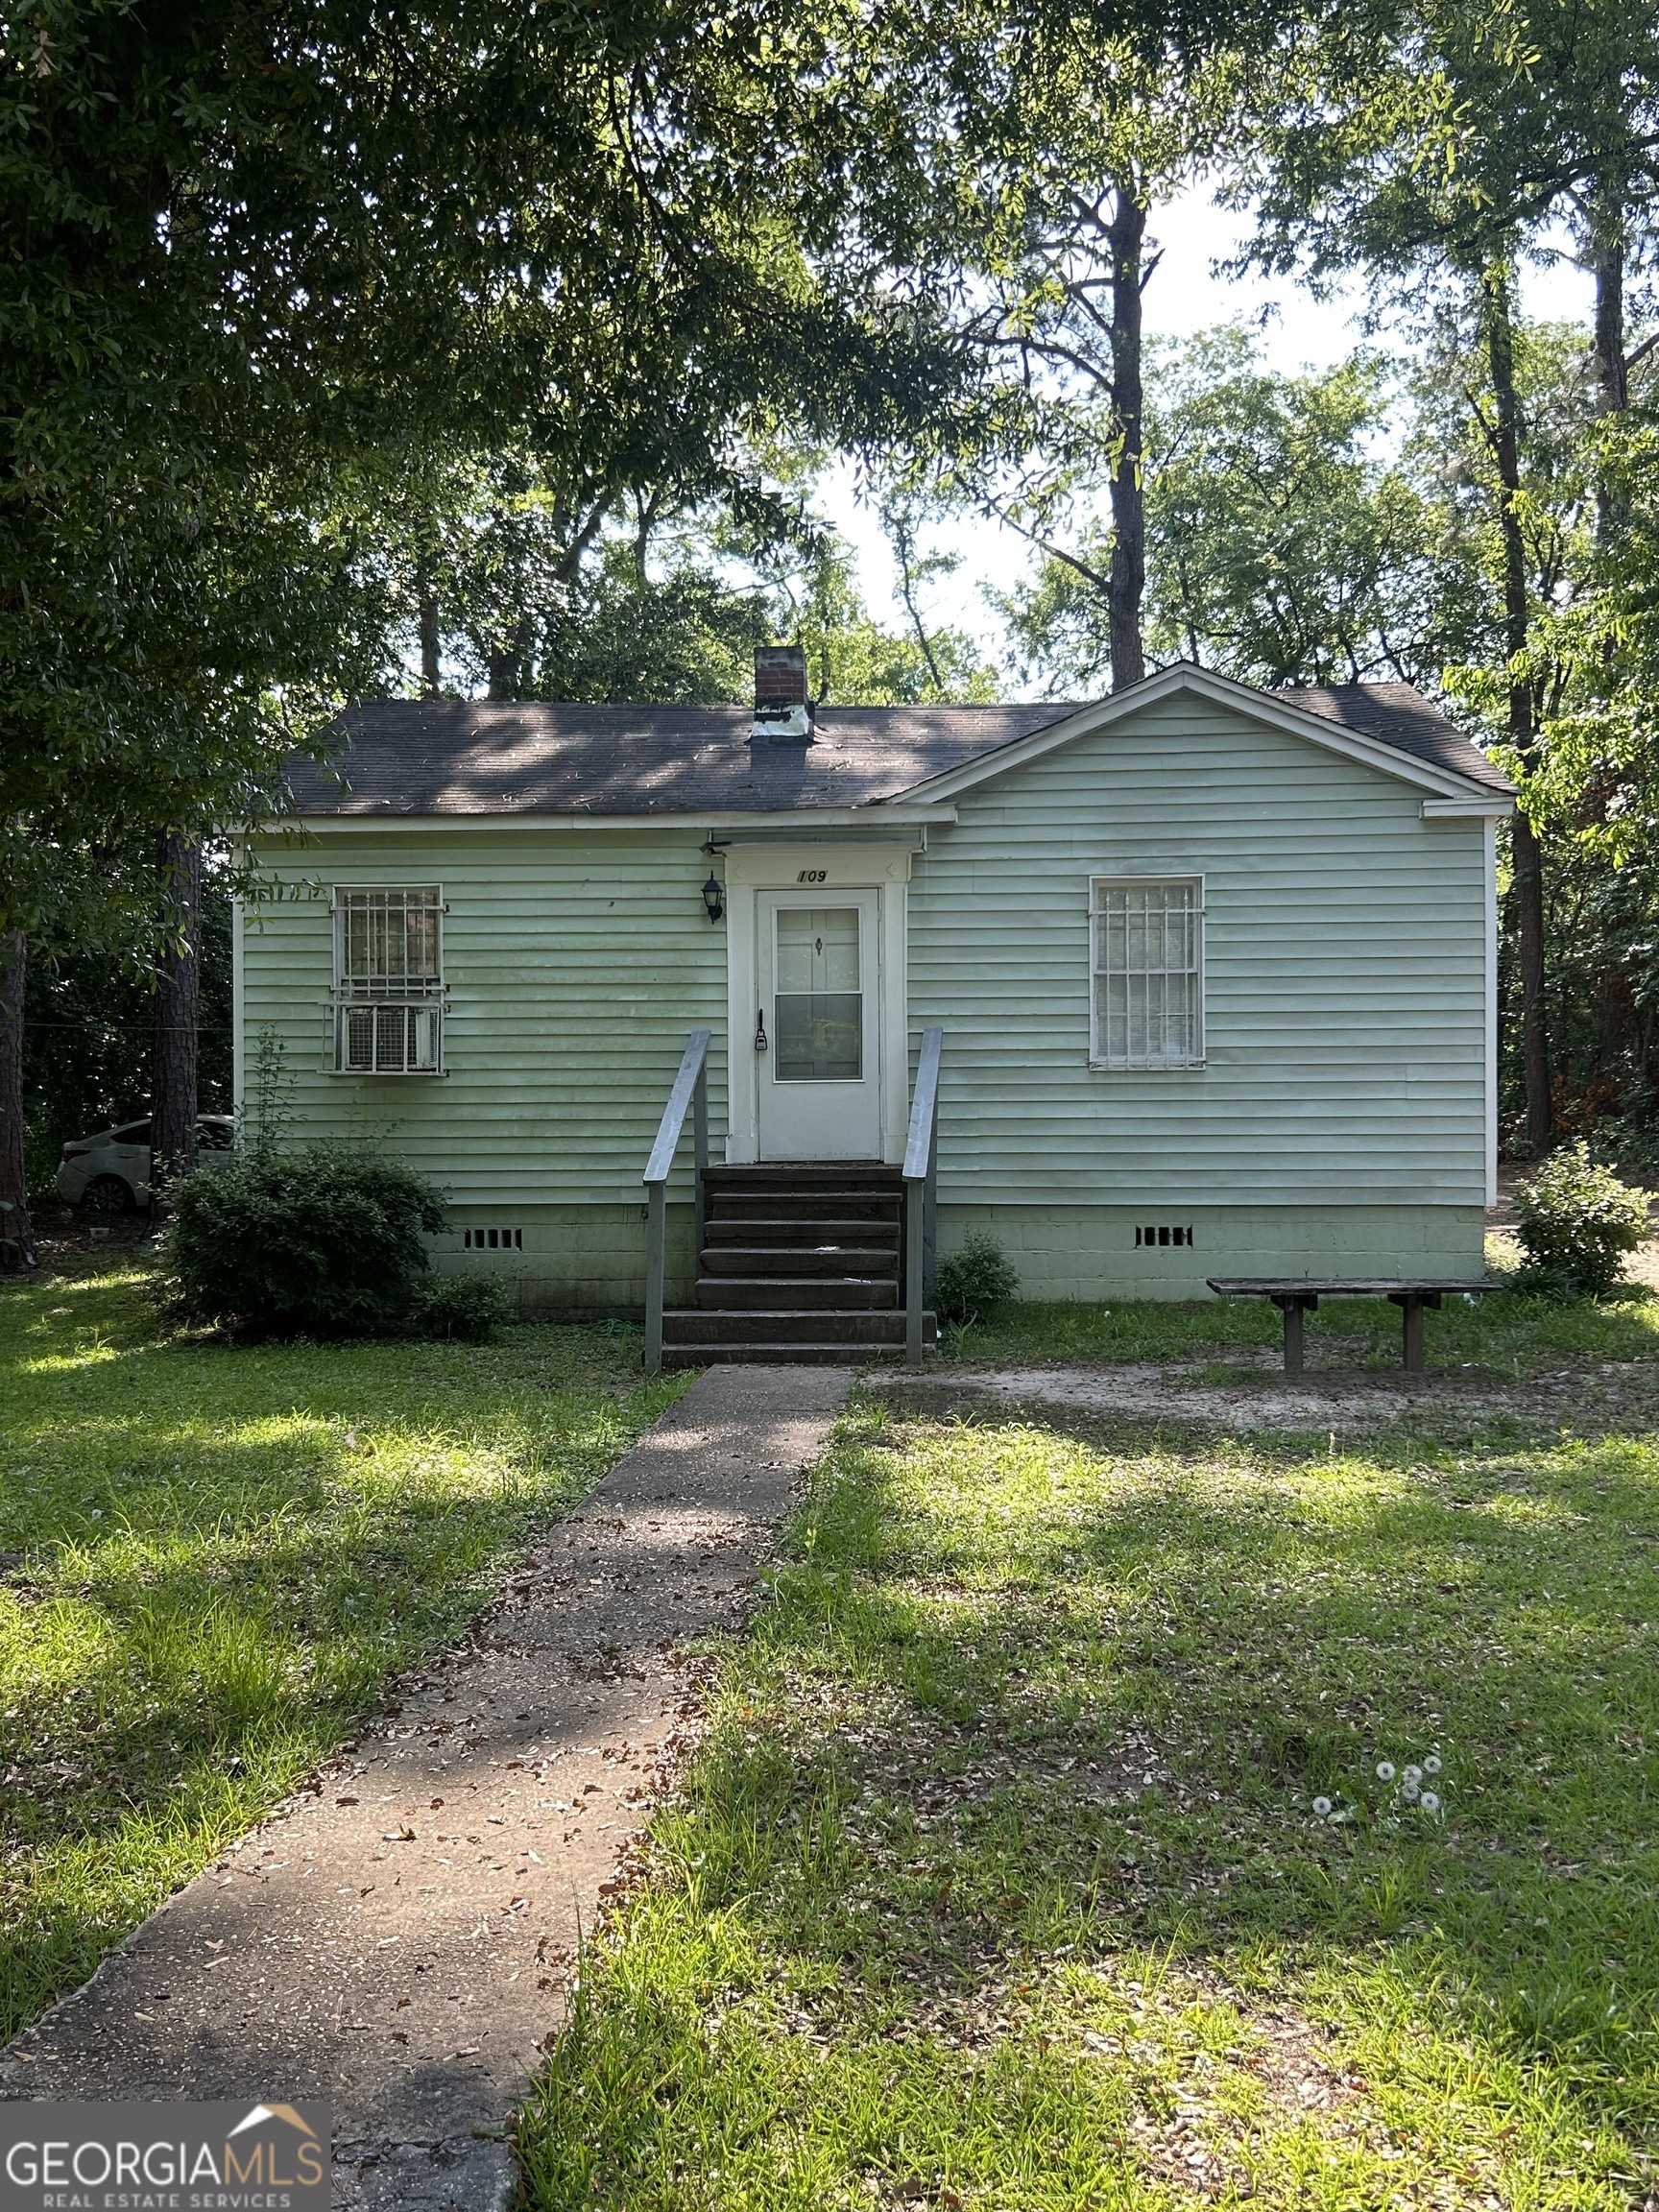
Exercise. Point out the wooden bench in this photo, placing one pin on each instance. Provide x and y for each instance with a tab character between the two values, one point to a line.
1297	1295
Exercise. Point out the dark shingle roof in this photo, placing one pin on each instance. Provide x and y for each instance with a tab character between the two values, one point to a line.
479	756
1398	714
472	756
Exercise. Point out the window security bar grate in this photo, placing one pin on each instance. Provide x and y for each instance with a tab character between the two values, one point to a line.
388	981
388	1040
1148	970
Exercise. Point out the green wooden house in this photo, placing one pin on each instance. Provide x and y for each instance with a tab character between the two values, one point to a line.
1207	976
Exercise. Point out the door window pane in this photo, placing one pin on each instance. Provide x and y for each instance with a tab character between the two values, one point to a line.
820	1012
818	949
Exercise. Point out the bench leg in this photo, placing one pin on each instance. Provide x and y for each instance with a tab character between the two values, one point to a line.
1411	1304
1411	1334
1292	1339
1293	1310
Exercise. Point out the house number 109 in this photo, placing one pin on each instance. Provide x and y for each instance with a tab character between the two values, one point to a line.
813	875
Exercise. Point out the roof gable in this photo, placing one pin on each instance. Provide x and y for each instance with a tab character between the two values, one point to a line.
1388	727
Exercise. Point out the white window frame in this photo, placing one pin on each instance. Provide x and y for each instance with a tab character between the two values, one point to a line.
1149	1063
365	1008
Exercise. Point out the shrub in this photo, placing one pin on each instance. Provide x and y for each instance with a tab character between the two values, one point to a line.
973	1280
320	1242
466	1309
1577	1221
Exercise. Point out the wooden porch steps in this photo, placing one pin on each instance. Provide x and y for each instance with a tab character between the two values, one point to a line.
800	1262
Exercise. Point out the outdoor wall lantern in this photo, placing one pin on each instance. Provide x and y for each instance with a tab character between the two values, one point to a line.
714	898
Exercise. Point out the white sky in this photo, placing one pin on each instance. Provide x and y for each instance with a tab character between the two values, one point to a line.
1183	295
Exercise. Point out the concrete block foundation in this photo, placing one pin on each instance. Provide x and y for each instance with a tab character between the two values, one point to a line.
1101	1252
587	1262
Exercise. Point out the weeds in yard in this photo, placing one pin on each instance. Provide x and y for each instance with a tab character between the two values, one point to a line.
213	1561
999	1883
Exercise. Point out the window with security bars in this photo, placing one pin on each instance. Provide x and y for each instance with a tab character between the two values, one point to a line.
388	982
1148	1009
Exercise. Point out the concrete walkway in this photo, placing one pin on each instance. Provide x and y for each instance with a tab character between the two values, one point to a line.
397	1940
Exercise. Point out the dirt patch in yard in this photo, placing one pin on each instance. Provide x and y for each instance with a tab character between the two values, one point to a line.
1268	1398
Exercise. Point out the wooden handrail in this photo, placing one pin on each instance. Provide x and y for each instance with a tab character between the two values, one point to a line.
690	1091
921	1192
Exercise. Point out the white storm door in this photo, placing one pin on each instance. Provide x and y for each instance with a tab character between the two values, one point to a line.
820	1076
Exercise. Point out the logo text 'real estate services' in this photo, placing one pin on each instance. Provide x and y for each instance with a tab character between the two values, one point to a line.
164	2158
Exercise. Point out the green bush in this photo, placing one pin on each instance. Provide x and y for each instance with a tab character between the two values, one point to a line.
466	1309
1577	1221
974	1280
319	1242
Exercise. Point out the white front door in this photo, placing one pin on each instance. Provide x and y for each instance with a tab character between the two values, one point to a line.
820	1013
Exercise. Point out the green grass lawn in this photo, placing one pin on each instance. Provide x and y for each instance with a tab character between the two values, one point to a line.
213	1559
999	1882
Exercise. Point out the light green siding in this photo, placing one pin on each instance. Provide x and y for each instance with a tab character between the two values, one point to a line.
576	964
1345	979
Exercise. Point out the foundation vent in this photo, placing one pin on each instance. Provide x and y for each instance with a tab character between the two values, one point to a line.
492	1239
1163	1233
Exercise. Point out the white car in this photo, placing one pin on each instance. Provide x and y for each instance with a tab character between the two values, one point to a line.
110	1174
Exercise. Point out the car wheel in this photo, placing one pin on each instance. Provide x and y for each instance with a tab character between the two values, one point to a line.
104	1195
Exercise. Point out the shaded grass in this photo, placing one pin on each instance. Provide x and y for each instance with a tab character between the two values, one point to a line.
1502	1335
213	1561
997	1882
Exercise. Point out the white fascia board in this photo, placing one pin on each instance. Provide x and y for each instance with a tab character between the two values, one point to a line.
1494	807
1219	691
801	822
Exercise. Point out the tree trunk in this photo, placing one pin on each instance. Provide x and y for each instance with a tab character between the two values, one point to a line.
904	541
1607	255
1523	729
1127	580
1608	249
507	661
427	619
14	1223
1618	1020
178	1008
1527	861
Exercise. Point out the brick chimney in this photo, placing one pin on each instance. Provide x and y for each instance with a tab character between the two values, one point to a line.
782	709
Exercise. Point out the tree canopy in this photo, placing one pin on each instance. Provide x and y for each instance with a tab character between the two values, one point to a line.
259	257
497	347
